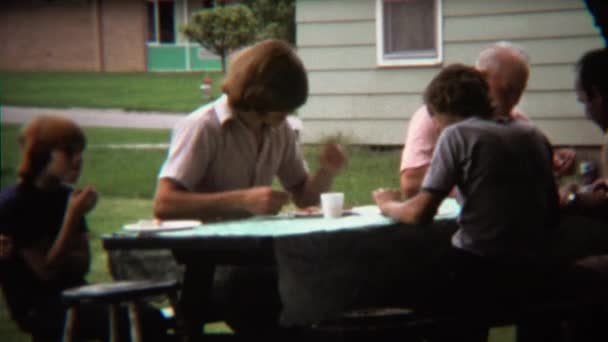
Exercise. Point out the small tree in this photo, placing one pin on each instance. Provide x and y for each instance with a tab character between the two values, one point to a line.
276	18
222	29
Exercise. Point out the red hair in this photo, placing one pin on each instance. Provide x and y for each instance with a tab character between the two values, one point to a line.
40	137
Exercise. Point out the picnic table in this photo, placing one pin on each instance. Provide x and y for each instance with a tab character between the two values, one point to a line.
325	266
271	240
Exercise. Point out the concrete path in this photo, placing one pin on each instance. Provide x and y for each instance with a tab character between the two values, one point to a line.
109	117
94	117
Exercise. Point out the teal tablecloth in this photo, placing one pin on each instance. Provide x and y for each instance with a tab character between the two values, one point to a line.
328	265
287	225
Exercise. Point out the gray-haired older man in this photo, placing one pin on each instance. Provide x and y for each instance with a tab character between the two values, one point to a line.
507	69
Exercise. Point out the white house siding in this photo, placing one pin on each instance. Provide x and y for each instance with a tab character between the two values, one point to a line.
352	96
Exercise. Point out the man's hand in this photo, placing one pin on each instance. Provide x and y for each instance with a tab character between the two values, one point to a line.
600	185
264	200
563	161
333	158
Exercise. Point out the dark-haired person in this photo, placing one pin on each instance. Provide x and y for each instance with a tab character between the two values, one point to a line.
592	91
502	169
224	156
43	218
587	211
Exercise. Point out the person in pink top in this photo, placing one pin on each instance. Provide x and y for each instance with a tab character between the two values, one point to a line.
507	71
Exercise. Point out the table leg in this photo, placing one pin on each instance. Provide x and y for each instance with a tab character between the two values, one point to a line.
195	298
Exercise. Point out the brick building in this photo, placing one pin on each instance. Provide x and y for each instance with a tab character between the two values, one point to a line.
83	35
100	35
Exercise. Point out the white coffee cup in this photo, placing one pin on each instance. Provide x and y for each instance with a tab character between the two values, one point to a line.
332	204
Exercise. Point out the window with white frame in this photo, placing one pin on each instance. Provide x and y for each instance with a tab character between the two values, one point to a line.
408	32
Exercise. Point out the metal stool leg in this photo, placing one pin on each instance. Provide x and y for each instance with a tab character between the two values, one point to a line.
114	322
68	329
180	325
135	323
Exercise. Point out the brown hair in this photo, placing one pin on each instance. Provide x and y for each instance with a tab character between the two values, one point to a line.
459	90
265	77
40	137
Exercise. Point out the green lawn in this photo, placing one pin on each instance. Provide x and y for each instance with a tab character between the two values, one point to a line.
170	92
131	173
114	172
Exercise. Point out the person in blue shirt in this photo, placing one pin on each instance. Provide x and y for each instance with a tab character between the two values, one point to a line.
45	234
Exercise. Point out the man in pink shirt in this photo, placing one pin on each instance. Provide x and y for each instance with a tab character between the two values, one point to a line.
506	67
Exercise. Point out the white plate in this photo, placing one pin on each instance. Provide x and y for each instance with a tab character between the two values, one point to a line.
316	212
159	226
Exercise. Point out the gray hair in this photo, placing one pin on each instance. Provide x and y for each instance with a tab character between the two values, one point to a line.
489	54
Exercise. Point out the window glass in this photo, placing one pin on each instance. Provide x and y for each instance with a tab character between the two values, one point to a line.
409	32
161	21
151	21
166	17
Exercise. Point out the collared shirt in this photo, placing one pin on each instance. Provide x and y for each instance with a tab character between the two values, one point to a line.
212	151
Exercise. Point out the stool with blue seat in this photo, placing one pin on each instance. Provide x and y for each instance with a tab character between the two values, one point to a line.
116	293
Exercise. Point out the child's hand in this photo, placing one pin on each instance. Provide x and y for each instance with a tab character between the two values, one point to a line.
83	200
382	196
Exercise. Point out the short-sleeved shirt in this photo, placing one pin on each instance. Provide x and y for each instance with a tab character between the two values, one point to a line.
422	135
212	151
503	172
28	216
